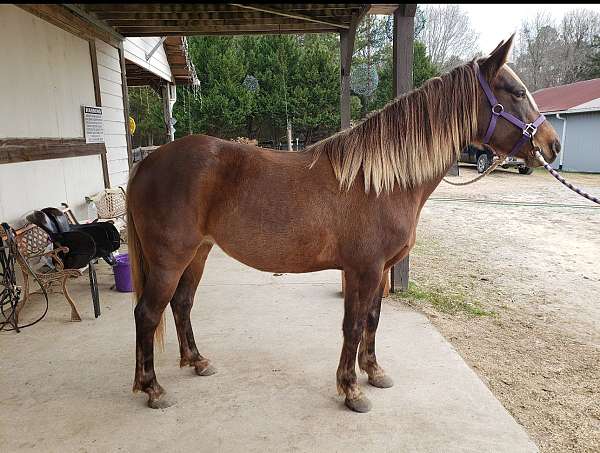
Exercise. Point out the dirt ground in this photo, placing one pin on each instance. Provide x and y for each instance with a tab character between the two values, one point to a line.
516	289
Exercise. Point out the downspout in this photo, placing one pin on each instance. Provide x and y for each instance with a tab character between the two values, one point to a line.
562	140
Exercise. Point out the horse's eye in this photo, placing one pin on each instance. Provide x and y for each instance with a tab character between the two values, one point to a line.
520	94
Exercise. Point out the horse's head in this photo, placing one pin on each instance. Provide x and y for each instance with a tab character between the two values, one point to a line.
509	120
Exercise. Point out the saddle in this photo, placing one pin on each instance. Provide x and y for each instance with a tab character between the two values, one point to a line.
86	242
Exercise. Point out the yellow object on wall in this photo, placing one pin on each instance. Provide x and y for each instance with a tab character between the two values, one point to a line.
131	125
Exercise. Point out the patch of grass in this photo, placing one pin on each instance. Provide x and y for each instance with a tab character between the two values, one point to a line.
442	301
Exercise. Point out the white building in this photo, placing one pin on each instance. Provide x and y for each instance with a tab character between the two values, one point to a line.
54	61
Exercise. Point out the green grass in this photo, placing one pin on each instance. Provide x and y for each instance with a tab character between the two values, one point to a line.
443	301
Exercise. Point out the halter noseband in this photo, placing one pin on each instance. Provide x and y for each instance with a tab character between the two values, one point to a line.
528	129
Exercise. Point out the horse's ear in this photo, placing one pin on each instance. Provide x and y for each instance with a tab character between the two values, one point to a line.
498	57
497	47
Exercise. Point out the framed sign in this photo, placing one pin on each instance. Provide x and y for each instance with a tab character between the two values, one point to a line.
92	124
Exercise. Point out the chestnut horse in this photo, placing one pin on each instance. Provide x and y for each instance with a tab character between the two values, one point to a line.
350	202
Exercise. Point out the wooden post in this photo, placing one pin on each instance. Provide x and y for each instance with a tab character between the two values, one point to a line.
402	82
347	38
125	92
346	50
453	171
168	111
98	98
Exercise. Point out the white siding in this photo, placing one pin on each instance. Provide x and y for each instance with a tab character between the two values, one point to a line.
45	78
136	49
111	92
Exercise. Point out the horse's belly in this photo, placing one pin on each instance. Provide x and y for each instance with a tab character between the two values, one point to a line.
276	251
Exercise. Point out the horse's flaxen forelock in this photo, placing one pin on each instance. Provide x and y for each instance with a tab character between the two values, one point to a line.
411	140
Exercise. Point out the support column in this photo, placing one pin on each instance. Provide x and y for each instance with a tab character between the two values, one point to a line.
98	98
168	91
346	50
402	80
125	92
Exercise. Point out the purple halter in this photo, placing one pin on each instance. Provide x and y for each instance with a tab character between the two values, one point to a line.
528	129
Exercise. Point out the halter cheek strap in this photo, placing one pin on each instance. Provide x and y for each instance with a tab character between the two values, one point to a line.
528	129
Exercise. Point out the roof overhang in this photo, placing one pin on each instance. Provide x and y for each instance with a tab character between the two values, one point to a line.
185	19
182	69
569	111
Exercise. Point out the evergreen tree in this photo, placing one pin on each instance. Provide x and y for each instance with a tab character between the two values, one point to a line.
296	77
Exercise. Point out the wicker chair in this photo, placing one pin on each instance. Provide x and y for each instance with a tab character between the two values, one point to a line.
33	244
111	205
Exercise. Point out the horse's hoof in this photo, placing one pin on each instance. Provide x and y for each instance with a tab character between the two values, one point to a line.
208	370
361	404
382	382
162	402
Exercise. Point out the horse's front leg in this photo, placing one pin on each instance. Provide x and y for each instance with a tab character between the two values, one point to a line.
367	361
360	289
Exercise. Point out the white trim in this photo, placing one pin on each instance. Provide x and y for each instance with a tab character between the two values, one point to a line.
562	140
554	112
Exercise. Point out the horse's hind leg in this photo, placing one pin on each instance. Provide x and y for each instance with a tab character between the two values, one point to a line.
367	361
181	305
161	282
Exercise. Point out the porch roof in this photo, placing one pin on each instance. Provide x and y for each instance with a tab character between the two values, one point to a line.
184	19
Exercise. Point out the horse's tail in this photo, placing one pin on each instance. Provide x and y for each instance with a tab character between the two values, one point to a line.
138	266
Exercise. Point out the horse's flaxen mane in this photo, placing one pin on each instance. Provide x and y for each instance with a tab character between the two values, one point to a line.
411	140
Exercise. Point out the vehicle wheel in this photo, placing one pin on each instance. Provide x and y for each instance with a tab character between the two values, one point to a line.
525	170
483	162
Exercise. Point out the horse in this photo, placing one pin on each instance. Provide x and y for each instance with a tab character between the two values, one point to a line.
350	202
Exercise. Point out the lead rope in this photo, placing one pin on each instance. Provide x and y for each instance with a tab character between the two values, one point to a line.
490	169
562	180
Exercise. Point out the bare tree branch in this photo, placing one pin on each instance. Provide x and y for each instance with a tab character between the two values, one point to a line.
448	36
550	53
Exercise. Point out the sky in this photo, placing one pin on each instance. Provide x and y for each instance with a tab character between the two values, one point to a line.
496	22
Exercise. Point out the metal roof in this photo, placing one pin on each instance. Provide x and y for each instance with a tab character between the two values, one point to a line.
575	97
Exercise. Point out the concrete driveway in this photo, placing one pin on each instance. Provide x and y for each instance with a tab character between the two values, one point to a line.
276	342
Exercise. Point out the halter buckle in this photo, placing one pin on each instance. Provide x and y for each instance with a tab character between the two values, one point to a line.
499	107
529	130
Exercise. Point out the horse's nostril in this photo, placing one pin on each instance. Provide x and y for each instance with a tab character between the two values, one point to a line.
556	146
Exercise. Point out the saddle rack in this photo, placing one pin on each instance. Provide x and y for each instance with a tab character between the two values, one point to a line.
79	245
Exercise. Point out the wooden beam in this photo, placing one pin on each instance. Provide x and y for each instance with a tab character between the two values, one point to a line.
219	31
399	275
167	112
383	8
250	27
340	16
200	23
325	9
317	6
98	97
293	15
93	19
159	7
403	37
30	149
67	20
347	38
402	82
125	103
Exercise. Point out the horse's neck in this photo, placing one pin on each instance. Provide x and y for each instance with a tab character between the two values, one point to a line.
422	192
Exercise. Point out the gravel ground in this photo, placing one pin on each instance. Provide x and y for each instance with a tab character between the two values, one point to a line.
529	277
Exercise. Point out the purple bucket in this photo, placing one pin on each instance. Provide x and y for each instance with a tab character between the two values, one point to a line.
122	273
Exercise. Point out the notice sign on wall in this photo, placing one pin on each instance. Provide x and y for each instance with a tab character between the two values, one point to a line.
92	124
